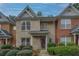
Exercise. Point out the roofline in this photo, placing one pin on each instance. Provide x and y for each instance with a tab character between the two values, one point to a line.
67	17
67	7
37	18
24	10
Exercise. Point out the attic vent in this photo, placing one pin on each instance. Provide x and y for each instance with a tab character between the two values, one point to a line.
25	12
28	9
69	10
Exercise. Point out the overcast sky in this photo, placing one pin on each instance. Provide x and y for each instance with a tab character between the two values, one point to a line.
47	9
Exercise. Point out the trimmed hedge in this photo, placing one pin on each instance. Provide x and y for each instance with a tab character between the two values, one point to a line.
6	46
27	47
25	53
3	52
12	53
64	51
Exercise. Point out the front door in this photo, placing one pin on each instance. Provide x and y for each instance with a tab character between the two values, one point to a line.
77	39
43	42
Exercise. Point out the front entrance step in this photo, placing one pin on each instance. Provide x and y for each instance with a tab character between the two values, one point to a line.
43	53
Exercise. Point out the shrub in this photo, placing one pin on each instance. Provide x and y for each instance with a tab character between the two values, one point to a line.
71	44
61	44
64	51
27	47
51	44
3	52
25	53
12	53
6	46
20	47
16	48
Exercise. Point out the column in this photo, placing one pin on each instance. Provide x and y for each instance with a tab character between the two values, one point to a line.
74	38
65	41
46	42
31	40
6	40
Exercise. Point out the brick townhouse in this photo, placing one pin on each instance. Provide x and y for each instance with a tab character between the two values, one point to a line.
37	30
7	30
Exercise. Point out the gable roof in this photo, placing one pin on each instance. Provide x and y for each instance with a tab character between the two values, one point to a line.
28	11
3	18
12	19
4	34
72	8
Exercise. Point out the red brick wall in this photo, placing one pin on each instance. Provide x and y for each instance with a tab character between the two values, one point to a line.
6	26
64	32
9	28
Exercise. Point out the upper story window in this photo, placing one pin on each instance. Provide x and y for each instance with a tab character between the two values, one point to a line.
65	24
25	25
0	26
44	26
14	27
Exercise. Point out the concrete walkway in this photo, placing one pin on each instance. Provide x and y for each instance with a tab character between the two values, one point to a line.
43	53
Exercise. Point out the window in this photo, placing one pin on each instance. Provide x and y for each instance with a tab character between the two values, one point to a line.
44	26
14	27
23	26
0	26
65	24
65	40
26	25
25	41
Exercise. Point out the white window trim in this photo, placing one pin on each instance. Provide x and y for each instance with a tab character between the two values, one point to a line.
0	26
14	27
65	39
26	25
44	27
65	23
25	43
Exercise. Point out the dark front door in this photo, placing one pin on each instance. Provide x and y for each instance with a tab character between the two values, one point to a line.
43	42
77	39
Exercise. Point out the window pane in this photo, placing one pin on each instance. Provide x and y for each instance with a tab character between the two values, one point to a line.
43	26
68	39
62	40
28	25
28	41
65	40
23	26
62	21
23	41
66	24
62	26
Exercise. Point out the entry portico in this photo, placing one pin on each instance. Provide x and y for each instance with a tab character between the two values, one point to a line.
4	37
75	33
39	39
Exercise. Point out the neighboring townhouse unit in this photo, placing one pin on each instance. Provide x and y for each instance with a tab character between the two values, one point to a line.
34	30
67	26
7	32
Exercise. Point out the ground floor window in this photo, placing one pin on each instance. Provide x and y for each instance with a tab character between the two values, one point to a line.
65	40
25	41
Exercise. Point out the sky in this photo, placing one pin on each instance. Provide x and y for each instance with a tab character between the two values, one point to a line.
53	9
